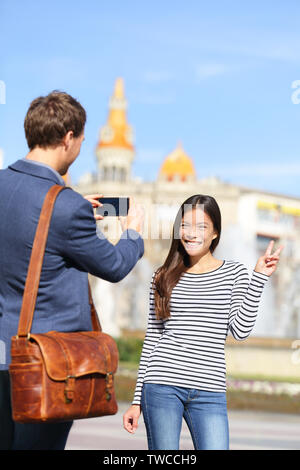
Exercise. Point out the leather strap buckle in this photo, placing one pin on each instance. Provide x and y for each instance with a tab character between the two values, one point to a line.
109	385
69	388
28	336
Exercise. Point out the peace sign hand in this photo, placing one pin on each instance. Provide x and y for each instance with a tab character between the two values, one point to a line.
267	263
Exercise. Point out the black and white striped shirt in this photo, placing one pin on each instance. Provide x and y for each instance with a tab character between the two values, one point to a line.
188	349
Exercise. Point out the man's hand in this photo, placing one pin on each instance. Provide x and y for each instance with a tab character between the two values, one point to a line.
135	217
93	199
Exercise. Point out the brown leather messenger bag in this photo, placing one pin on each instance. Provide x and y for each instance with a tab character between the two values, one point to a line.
59	376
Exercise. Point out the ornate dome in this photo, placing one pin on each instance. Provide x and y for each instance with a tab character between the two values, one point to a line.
177	166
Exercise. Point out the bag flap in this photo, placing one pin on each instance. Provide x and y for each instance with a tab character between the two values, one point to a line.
77	354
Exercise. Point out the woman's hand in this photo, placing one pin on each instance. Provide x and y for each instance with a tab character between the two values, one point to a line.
267	263
93	199
131	417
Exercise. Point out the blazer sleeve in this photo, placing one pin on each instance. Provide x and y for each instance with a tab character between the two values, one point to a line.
92	252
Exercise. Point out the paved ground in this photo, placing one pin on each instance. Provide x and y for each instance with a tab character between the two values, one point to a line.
248	431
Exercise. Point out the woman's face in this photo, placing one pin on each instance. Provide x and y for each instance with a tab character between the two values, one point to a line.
196	232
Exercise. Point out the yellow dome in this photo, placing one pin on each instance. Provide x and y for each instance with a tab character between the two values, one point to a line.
177	164
117	132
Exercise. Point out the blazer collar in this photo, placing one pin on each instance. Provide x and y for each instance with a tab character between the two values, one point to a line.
33	169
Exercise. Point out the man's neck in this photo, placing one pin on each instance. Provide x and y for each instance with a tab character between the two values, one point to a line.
50	157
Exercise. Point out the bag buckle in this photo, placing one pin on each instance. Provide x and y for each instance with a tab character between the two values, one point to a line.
28	336
69	388
109	384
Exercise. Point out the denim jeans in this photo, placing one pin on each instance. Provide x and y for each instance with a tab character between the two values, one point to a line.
205	413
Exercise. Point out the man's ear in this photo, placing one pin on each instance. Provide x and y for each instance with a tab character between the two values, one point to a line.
68	139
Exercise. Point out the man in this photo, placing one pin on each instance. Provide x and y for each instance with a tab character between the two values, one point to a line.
54	129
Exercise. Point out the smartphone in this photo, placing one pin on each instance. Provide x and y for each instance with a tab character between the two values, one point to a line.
113	206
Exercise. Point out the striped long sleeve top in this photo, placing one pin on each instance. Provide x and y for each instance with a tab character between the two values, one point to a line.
188	349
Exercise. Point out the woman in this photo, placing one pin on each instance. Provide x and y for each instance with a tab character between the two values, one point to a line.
195	299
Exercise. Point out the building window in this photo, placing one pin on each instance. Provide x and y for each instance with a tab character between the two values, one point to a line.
105	173
122	174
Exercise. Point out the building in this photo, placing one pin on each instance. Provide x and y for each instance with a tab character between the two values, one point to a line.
250	219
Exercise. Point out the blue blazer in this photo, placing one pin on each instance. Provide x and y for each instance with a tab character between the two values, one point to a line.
73	250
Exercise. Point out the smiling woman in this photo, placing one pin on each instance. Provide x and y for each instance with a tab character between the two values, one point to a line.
196	234
195	301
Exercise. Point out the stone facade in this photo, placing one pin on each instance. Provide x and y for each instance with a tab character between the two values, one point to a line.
250	219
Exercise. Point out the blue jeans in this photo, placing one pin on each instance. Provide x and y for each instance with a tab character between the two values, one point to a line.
205	413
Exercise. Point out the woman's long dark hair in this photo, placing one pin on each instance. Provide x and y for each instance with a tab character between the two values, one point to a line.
177	260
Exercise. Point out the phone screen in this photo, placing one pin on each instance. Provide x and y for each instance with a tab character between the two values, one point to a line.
113	206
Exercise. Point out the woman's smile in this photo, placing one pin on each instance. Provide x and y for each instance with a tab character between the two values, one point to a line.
192	244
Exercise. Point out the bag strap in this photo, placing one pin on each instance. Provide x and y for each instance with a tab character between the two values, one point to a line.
36	263
95	319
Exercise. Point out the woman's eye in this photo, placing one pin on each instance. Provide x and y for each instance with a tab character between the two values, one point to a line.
197	226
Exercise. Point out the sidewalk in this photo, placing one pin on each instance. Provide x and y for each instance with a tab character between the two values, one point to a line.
249	430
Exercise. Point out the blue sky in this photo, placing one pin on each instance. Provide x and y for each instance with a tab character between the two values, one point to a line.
216	76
